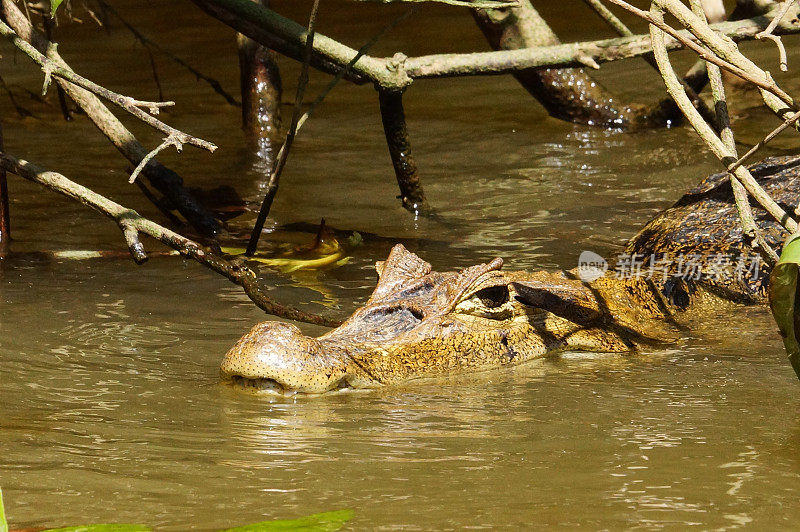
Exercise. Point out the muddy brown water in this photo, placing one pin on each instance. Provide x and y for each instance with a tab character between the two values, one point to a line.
110	407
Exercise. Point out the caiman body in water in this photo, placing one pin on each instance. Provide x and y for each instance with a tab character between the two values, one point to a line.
419	322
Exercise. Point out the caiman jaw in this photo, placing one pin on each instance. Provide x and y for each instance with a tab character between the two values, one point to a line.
276	358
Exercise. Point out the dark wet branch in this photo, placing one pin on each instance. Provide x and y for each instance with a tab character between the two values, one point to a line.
261	89
287	37
399	143
691	83
132	225
283	155
566	93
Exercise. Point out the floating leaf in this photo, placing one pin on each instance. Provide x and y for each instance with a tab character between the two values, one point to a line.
289	264
324	522
784	301
355	239
111	527
54	5
3	522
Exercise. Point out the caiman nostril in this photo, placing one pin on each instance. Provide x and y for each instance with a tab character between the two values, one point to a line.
418	314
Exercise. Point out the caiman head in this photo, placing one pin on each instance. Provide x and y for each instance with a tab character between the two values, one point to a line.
423	323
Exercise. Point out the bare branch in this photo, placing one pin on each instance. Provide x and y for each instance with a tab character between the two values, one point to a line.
288	37
708	135
132	222
50	68
777	18
131	105
749	226
131	236
767	33
168	141
164	179
713	48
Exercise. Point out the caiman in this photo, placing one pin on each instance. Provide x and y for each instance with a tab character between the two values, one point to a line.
420	323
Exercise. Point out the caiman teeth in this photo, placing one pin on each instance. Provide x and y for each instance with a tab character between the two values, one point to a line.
261	385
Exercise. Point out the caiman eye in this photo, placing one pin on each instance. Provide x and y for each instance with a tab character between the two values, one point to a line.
493	297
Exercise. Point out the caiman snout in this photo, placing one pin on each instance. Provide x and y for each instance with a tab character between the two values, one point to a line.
277	357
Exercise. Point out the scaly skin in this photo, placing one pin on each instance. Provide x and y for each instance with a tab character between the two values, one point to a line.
423	323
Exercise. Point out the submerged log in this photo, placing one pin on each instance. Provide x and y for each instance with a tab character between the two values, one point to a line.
566	93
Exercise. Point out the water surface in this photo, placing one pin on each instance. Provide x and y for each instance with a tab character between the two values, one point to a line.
110	407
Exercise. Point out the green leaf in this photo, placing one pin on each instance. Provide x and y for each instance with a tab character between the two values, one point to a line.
355	239
112	527
3	522
53	6
324	522
784	302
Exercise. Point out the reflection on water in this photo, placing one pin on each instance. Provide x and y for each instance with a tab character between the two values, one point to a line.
110	409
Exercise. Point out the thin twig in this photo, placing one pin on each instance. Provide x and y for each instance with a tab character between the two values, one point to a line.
161	177
50	68
725	49
149	43
708	135
132	222
275	175
154	70
168	141
793	119
708	54
777	18
133	106
343	71
767	33
749	226
623	30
